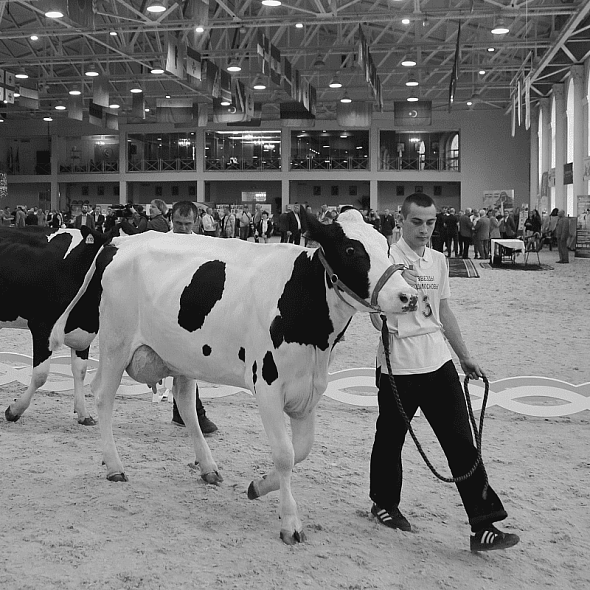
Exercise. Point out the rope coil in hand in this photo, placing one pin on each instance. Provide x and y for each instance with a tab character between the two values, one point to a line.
477	432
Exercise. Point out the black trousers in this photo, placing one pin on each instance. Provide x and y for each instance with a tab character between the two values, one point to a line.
440	396
465	243
452	240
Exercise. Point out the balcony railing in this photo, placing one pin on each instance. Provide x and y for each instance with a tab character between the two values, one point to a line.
90	167
28	168
244	165
161	165
420	163
330	164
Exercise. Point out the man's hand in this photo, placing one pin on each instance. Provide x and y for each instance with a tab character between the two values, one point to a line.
471	368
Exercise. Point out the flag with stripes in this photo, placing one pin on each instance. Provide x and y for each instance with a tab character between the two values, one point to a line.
193	63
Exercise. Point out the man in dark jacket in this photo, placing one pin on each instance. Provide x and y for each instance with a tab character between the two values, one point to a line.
284	224
451	222
387	225
294	225
465	232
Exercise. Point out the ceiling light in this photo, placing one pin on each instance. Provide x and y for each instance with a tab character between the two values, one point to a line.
22	74
113	33
346	99
258	84
34	38
157	70
233	66
54	14
147	109
299	25
135	88
16	95
412	98
469	103
500	27
335	83
412	81
225	102
200	29
91	70
48	119
408	62
156	7
114	105
482	72
167	96
405	21
75	91
319	62
491	49
270	3
60	106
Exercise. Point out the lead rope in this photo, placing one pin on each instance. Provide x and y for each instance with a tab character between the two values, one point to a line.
477	432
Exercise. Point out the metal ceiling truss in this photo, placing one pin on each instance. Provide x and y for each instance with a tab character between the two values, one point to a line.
554	33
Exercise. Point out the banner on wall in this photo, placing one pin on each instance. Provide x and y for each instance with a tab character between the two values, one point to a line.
583	227
498	199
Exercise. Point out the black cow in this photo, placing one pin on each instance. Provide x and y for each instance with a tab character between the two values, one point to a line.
40	273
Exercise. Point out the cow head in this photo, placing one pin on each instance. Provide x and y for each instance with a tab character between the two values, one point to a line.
358	254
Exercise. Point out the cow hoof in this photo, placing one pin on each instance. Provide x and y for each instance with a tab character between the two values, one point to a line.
292	539
117	477
213	477
252	491
90	421
10	416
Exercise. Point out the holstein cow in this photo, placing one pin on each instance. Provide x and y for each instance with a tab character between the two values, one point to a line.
265	317
40	273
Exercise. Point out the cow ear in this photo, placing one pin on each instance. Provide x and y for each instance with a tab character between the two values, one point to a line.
315	230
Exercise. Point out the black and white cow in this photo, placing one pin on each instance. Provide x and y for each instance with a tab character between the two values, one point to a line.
40	273
265	317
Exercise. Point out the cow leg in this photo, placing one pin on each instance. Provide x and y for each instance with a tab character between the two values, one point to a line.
79	366
303	432
104	386
41	362
184	391
283	453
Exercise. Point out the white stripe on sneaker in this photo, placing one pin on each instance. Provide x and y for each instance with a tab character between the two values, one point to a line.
383	515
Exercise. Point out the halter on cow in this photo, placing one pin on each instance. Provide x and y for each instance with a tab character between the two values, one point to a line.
265	317
40	273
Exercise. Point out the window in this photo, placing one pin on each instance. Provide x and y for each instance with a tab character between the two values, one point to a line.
243	150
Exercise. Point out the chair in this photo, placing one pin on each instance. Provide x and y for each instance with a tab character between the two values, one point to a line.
534	245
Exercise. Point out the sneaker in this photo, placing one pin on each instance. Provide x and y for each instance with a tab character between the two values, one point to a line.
207	426
491	538
393	518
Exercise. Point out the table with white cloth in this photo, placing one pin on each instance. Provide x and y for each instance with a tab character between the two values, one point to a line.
505	248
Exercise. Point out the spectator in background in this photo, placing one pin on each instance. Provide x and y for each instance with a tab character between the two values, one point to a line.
323	214
245	223
284	224
374	220
294	225
388	226
451	222
228	224
465	232
264	228
31	218
157	221
98	217
208	223
533	223
41	217
84	219
562	233
481	235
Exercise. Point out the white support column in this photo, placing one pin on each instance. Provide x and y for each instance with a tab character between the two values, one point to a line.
285	163
200	163
373	195
560	147
123	155
535	188
579	130
284	194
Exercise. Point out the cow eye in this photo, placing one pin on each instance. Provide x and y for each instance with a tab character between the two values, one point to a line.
349	251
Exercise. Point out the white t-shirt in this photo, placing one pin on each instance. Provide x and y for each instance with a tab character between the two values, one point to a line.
416	339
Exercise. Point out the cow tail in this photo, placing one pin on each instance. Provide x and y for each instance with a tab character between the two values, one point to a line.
58	332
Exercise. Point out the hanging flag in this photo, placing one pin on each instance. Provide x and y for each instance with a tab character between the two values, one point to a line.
412	114
293	114
82	12
527	102
75	107
354	114
193	63
7	87
29	98
275	65
202	114
100	91
519	100
263	50
137	106
174	56
455	70
287	80
111	121
174	110
225	92
95	114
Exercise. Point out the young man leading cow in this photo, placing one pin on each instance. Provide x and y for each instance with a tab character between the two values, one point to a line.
425	376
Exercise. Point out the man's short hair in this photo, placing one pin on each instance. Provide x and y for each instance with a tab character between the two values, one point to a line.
419	199
184	209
